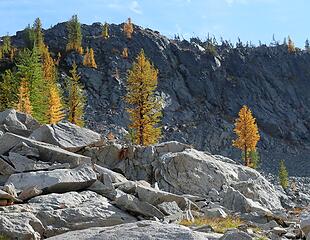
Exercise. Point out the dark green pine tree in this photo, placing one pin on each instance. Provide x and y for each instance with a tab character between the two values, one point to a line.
29	69
38	40
29	37
74	35
6	46
8	90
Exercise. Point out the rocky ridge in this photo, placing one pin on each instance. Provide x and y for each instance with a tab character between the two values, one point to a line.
83	186
202	90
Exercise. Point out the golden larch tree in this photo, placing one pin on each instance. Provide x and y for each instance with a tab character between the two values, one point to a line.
145	108
55	109
89	58
105	31
125	53
86	61
56	113
247	133
76	99
24	104
128	28
290	45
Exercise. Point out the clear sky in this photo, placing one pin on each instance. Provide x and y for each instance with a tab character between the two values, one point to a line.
251	20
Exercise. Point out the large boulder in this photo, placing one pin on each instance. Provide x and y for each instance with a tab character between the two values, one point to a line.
16	122
60	213
67	136
46	152
21	225
198	173
59	180
179	169
135	231
132	204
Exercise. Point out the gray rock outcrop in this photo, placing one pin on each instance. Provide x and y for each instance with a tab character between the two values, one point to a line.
135	231
67	136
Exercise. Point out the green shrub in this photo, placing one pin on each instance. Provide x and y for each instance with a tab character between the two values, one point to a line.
283	175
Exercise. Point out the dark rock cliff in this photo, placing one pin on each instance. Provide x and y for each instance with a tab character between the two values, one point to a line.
203	93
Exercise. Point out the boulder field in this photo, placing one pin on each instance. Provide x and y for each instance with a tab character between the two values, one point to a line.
65	182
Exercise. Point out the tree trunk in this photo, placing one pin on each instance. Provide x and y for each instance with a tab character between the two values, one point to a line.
246	160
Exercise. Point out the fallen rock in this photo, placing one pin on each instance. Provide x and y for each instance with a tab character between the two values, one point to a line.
67	136
131	186
305	222
29	193
115	177
47	152
214	213
132	204
59	213
136	231
156	197
59	180
169	208
236	201
23	225
25	150
5	168
9	118
235	234
197	173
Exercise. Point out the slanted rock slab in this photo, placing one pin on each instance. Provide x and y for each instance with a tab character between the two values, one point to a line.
47	152
59	180
67	136
135	231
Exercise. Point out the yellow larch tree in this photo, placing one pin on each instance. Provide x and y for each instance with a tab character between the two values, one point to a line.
247	133
128	28
145	108
24	104
105	31
76	99
290	45
86	61
55	109
125	53
56	113
89	58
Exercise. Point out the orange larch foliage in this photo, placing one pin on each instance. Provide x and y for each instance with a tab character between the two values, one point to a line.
247	133
128	28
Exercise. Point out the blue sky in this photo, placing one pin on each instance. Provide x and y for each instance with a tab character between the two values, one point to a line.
251	20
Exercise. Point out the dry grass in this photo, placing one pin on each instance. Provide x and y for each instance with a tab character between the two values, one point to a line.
220	225
2	237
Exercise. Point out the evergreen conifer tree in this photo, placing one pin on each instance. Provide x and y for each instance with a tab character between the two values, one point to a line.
74	35
38	39
307	46
8	91
29	71
283	175
6	46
